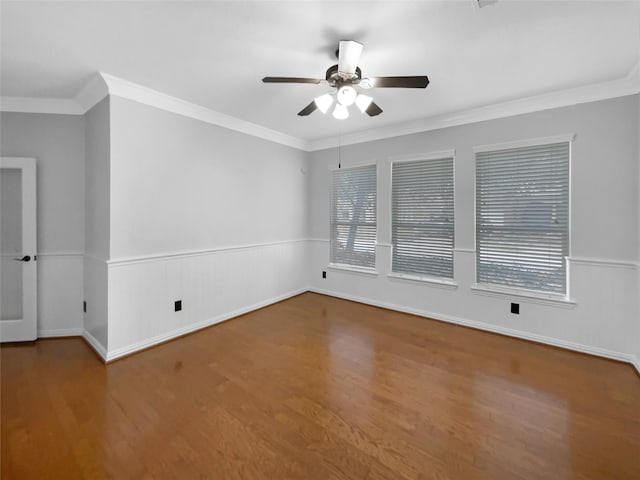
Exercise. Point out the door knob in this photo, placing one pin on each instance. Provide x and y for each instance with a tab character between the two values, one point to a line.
26	258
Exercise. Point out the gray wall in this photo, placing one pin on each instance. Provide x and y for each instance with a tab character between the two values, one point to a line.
159	185
97	184
97	180
202	214
57	143
181	185
604	227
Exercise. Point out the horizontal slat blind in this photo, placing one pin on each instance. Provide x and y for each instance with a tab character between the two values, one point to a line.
422	226
522	217
353	216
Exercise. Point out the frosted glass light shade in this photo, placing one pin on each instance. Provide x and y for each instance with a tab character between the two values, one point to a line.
323	102
363	102
346	95
340	112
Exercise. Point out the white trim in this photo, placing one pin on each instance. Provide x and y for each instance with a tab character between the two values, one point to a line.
58	106
325	240
634	72
465	250
578	347
172	255
629	85
436	282
353	164
531	142
94	91
64	332
352	269
178	332
524	295
635	361
95	344
603	262
424	156
93	258
147	96
386	245
17	162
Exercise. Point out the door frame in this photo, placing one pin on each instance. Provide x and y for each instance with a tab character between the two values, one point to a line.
26	328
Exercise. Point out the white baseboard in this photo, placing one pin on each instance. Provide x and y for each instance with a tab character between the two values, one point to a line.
110	356
64	332
636	363
600	352
95	344
129	349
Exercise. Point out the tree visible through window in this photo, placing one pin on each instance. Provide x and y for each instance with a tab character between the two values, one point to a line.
353	216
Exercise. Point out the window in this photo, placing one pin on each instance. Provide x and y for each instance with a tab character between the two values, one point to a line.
353	216
422	224
522	217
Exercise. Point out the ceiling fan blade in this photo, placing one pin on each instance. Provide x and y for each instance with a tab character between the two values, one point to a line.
395	82
315	81
309	109
373	109
349	56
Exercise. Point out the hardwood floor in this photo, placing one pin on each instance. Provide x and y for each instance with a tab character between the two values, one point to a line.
320	388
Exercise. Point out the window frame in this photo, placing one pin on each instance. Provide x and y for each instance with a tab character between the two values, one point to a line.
534	296
435	280
345	266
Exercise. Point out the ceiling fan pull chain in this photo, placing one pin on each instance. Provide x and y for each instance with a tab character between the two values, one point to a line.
339	156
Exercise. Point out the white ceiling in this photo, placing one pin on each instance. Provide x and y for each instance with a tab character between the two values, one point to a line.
215	53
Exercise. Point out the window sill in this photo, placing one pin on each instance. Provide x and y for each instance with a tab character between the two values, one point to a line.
527	296
352	269
436	282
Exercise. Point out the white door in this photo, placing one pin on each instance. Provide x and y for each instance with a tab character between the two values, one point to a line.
18	276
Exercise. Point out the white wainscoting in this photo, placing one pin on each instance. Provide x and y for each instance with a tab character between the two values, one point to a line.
603	292
213	285
96	295
219	284
60	294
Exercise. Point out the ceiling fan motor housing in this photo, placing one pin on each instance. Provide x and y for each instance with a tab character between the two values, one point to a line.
336	78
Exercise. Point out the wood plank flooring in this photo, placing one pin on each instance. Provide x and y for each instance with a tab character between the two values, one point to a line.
319	388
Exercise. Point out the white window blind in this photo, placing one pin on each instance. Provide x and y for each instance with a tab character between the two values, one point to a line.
422	226
353	216
522	217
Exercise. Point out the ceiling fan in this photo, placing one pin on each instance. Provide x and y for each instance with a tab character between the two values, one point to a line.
346	80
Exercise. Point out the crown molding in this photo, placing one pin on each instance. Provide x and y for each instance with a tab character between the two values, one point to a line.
628	85
104	84
59	106
138	93
94	91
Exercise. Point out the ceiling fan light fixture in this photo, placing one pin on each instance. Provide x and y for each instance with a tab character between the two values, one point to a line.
363	102
340	112
324	102
346	95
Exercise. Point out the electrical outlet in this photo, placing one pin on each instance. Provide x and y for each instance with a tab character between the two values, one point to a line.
177	305
515	308
324	274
